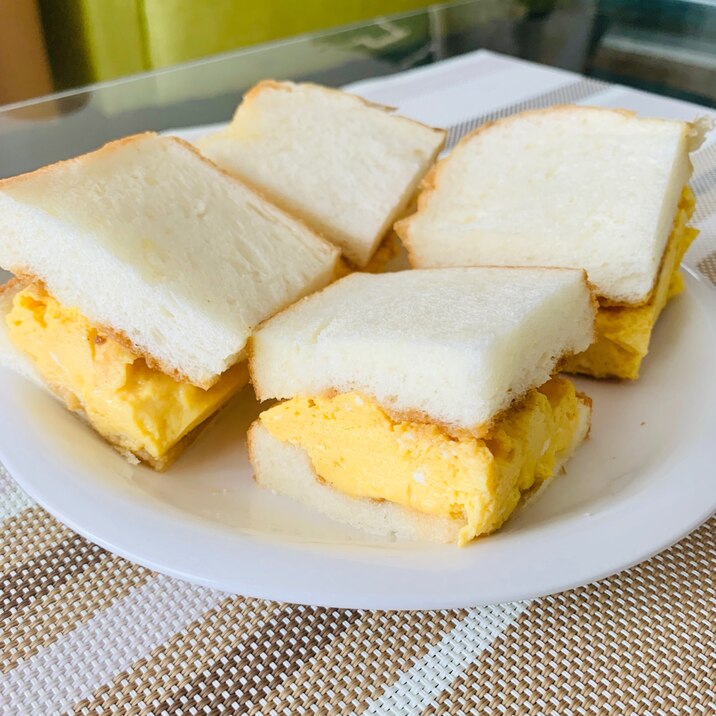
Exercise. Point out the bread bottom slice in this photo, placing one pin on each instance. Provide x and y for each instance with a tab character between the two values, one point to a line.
287	470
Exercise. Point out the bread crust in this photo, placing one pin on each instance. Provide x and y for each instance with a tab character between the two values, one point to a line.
106	148
431	181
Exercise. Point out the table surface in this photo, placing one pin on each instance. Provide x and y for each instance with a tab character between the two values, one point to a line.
87	632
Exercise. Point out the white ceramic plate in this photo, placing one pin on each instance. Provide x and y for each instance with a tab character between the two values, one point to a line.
645	479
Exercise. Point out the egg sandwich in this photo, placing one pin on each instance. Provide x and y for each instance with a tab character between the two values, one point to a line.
422	404
140	271
347	167
583	187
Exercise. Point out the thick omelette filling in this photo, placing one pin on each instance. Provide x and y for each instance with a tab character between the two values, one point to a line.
137	408
358	449
623	332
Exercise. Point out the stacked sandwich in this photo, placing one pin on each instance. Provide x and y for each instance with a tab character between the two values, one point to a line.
597	189
140	272
422	404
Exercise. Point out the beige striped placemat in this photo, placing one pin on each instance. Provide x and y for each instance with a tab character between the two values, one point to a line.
86	632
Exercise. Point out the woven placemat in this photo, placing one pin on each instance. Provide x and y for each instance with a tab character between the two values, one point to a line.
89	633
86	632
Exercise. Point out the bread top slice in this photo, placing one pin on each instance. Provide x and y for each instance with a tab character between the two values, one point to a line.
453	346
346	166
567	186
152	241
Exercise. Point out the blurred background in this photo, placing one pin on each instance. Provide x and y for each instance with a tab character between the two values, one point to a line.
55	45
77	73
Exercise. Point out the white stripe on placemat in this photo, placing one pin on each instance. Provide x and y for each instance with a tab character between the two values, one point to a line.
74	666
704	182
13	500
571	93
445	661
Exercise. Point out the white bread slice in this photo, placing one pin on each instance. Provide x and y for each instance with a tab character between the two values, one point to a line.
454	345
567	186
347	167
287	470
152	241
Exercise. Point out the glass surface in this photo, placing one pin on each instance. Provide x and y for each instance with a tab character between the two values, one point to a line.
667	46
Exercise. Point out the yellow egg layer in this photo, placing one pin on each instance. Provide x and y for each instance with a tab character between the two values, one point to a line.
624	332
357	448
137	408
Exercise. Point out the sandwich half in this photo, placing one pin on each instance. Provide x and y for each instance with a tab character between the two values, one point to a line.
349	168
140	271
422	404
598	189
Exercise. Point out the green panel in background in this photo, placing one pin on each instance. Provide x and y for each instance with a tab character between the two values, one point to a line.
93	40
292	19
116	29
96	40
181	30
66	42
333	59
104	39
